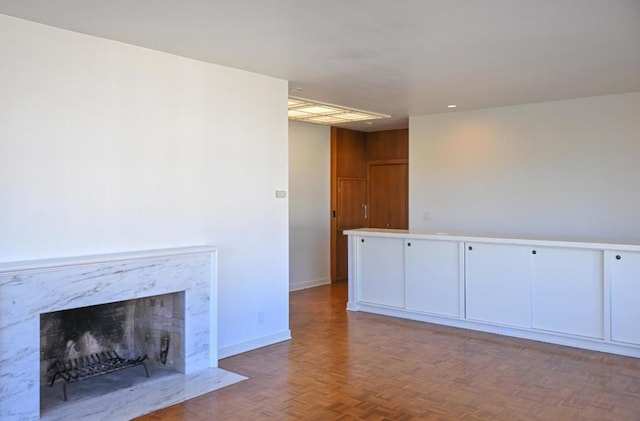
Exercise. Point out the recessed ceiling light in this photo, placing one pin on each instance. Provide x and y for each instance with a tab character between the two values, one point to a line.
322	113
451	106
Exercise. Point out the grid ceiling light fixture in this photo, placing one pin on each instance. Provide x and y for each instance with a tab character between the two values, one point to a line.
301	109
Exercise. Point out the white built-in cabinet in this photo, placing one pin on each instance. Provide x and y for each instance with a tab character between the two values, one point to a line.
547	288
625	297
433	277
498	283
382	271
419	275
568	291
579	294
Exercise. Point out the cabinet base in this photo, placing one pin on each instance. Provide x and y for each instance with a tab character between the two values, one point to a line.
505	330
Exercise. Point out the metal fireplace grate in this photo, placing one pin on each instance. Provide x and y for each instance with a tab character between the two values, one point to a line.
93	365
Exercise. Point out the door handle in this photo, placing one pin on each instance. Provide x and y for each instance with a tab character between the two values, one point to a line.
364	206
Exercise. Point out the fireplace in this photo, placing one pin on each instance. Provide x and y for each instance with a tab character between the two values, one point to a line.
34	297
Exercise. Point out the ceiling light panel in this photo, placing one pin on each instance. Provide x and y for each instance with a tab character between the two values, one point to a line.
315	109
326	119
298	114
317	112
354	116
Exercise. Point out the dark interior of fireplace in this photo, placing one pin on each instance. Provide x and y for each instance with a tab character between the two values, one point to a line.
75	343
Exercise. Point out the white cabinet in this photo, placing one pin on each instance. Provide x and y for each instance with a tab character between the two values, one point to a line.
417	275
498	283
381	271
582	294
625	297
546	288
568	291
432	277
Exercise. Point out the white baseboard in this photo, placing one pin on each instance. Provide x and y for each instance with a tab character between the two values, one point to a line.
241	347
308	284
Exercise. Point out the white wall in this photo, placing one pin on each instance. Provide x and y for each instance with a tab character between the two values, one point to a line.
556	169
107	147
309	205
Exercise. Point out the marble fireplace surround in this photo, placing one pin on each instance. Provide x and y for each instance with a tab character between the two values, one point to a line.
28	289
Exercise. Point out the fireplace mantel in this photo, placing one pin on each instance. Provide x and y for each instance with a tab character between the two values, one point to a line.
28	289
50	264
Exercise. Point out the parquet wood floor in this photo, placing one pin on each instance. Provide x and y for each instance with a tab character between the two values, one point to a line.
355	366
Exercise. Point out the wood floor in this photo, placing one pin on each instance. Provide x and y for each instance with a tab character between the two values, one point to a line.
355	366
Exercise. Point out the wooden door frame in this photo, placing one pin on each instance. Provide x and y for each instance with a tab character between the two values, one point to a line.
334	202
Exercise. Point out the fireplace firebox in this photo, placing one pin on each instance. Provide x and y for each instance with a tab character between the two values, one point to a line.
82	343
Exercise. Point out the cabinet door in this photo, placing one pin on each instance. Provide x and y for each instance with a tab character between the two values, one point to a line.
568	291
432	276
498	283
381	262
625	297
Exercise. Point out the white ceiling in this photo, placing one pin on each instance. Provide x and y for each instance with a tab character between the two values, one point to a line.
403	57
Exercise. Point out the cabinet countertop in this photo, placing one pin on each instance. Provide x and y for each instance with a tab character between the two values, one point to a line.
496	238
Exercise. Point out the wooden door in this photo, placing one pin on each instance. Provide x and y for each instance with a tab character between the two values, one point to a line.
388	196
348	193
350	214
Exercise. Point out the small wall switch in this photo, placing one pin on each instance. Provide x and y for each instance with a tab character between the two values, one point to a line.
281	194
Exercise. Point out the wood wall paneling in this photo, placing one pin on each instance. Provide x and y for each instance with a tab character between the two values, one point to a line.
388	196
351	158
388	179
388	145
